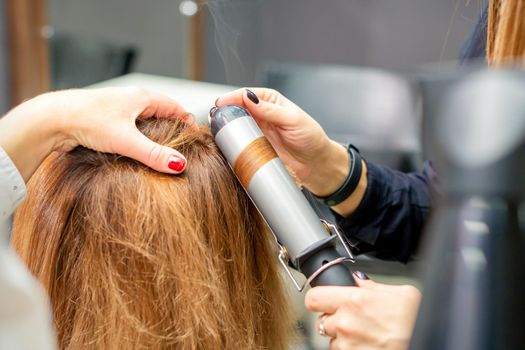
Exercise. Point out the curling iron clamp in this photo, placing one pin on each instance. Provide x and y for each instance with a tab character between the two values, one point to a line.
306	243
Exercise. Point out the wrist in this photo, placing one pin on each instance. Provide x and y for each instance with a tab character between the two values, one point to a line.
330	171
54	119
50	108
330	175
29	133
348	206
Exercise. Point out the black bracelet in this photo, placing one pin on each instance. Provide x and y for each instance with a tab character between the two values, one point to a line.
351	181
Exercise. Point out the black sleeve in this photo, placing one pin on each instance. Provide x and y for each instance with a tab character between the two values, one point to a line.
390	218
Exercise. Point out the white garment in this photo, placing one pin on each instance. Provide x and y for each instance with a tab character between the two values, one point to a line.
25	312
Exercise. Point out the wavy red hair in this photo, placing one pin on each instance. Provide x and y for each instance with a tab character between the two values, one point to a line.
132	258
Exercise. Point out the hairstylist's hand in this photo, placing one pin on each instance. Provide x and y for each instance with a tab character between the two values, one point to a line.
319	164
99	119
371	316
298	139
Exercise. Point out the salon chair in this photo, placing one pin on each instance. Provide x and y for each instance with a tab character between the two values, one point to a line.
78	61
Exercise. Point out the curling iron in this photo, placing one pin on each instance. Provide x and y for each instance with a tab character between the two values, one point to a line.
306	243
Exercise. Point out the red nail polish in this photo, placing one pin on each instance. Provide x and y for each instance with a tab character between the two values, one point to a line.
177	164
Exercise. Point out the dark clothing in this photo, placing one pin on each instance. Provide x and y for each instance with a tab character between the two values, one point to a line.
390	218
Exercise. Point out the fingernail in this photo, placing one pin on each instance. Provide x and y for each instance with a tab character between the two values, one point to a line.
253	97
176	164
212	111
217	100
361	275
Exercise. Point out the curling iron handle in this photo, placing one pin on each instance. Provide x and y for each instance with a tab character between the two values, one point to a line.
336	275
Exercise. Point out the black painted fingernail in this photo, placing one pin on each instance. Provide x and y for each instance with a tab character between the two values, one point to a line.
217	100
253	97
212	111
361	275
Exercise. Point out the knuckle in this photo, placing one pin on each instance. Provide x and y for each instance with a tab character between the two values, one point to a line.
343	325
271	95
311	301
138	93
357	298
155	155
273	92
411	291
268	109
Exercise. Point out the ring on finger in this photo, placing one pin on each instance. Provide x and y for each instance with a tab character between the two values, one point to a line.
322	330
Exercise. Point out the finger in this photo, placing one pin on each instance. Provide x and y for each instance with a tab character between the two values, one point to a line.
338	344
231	98
329	299
263	106
236	97
325	322
345	330
334	344
363	280
189	118
267	111
340	328
160	106
161	158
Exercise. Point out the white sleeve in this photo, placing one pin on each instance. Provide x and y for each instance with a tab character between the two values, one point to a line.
12	187
25	313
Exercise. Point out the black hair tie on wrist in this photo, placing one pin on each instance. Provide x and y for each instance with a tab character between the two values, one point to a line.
351	181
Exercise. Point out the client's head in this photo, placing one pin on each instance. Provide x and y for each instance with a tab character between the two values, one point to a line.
132	258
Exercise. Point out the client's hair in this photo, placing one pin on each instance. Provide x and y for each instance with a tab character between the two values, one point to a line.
132	258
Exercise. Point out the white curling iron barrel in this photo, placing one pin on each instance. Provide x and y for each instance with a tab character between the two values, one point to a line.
306	243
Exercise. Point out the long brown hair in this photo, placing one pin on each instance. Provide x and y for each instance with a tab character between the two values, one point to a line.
132	258
506	32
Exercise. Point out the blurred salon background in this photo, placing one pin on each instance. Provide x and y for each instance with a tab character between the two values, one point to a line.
359	58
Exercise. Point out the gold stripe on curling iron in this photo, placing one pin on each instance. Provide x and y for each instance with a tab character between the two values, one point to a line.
252	158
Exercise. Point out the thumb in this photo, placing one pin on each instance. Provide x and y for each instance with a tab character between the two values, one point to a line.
363	280
161	158
263	110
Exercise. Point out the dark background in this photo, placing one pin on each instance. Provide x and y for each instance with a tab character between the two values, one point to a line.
392	34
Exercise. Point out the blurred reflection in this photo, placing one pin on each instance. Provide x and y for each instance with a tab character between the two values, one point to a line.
81	61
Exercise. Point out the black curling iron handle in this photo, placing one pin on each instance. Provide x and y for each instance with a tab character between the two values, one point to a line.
335	275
